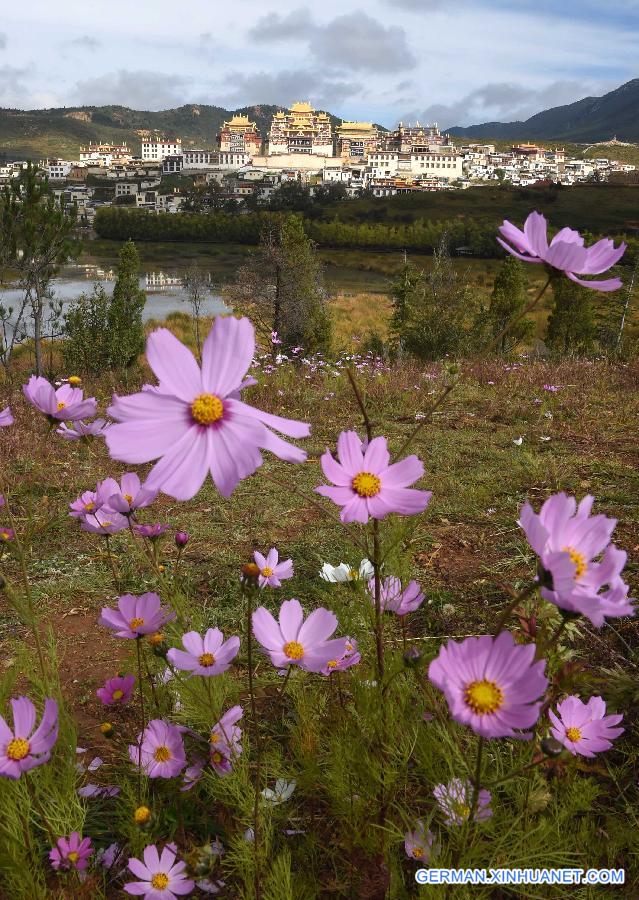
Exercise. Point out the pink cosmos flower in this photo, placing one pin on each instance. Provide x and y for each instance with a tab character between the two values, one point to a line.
103	521
366	484
127	496
78	431
181	539
6	534
152	532
23	748
116	690
295	642
272	572
196	426
160	750
584	728
161	877
71	853
136	615
6	417
568	541
88	502
225	740
208	655
455	798
62	404
192	774
491	684
418	843
394	599
566	252
350	657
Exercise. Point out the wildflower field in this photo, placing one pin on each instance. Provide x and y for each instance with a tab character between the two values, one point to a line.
359	620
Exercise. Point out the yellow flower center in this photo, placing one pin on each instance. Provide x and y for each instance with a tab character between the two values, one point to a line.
74	379
573	734
156	639
331	664
142	815
418	851
17	749
216	757
118	695
484	696
4	535
207	659
136	623
366	484
159	881
73	856
462	810
294	650
106	523
207	409
215	737
267	571
579	560
128	498
61	405
162	754
89	506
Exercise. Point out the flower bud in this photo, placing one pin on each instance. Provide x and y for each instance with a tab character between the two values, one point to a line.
158	643
412	658
181	538
74	380
107	729
142	815
551	747
250	573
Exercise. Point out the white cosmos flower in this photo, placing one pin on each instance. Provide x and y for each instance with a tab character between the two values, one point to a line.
344	572
283	791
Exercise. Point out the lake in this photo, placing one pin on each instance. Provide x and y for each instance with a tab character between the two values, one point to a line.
163	266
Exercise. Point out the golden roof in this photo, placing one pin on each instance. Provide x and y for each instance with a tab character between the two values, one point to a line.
237	120
357	126
301	108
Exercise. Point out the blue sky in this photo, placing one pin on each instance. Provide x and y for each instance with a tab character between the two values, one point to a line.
457	63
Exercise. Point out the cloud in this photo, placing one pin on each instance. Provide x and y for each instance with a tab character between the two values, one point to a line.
417	5
3	40
85	42
13	90
283	88
273	27
138	89
501	101
353	41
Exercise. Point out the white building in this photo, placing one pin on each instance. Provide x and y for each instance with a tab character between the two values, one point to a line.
160	148
58	169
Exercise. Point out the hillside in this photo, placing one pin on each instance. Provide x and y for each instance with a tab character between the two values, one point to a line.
616	114
39	133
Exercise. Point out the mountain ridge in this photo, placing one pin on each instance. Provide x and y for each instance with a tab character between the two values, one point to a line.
591	119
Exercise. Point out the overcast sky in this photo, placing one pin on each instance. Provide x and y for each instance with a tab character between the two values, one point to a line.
457	62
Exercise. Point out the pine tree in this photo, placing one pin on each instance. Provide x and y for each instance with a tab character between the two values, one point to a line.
506	303
281	287
571	325
124	320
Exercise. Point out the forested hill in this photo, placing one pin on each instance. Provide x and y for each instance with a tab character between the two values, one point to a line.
38	133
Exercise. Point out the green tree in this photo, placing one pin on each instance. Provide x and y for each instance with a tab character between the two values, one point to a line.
507	301
433	309
87	347
281	286
36	237
124	320
571	324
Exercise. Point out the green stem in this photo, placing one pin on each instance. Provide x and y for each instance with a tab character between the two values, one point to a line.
517	599
142	718
476	780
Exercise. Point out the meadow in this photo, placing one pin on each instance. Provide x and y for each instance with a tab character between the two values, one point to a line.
364	621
